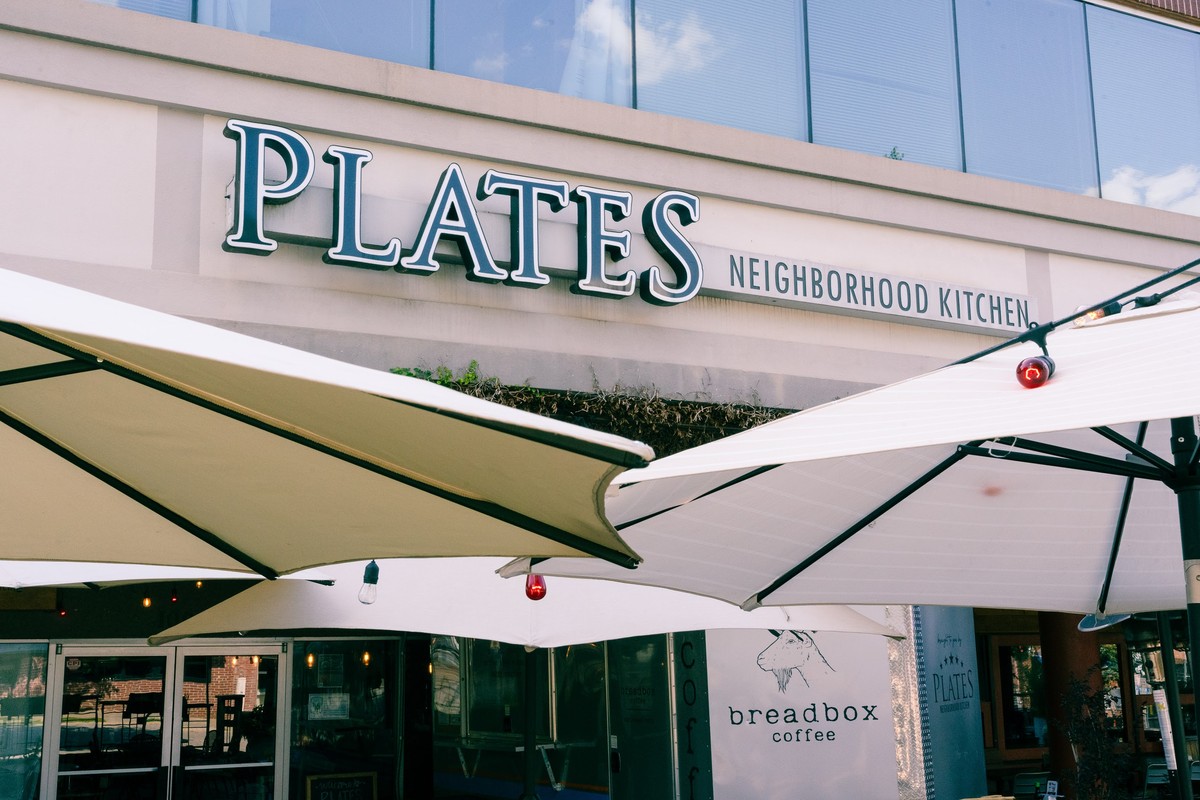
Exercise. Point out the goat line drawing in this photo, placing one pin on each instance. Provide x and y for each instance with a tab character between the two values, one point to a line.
793	651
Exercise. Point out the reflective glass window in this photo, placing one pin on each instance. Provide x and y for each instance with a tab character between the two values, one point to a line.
227	725
111	731
1146	82
394	30
345	726
175	9
581	48
640	715
579	691
1027	113
883	79
711	60
22	716
1022	696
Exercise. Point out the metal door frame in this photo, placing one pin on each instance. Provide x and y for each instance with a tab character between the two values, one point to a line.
174	655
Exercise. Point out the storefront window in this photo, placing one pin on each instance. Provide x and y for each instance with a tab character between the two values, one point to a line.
110	734
482	753
1022	696
22	709
344	719
579	691
496	702
1112	682
227	725
640	708
712	61
445	669
582	48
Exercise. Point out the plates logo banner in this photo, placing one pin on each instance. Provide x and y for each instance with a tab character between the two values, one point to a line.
451	216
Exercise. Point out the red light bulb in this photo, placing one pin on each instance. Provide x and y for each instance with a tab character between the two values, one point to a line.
535	587
1035	371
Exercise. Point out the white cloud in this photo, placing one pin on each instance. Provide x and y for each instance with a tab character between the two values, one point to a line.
601	46
1178	190
490	67
673	47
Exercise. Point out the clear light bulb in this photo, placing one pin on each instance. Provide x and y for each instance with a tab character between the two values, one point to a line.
368	594
370	588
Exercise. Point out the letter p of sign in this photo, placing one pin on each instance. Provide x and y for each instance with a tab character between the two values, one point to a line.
251	190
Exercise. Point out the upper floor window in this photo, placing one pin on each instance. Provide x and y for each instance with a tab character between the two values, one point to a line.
394	30
1146	88
582	48
883	79
712	61
1027	113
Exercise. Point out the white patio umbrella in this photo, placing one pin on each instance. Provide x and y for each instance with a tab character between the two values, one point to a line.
91	574
958	487
466	597
82	574
133	436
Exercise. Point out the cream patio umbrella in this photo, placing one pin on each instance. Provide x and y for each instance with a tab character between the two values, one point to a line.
132	436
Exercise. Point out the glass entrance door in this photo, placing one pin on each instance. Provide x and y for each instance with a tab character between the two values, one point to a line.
110	724
167	723
227	732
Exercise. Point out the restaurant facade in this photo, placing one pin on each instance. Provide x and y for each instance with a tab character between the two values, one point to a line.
777	208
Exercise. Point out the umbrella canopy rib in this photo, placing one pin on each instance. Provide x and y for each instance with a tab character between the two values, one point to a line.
1122	515
138	497
743	477
12	377
945	464
1166	468
1069	459
485	507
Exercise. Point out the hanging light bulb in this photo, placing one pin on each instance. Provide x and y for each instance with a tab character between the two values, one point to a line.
310	659
366	658
1106	310
61	611
1035	371
146	601
535	586
174	595
254	660
370	587
234	660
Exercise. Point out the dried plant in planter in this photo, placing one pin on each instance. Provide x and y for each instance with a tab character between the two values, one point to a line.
668	424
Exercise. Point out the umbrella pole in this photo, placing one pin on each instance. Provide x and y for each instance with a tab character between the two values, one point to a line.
1187	494
532	707
1166	646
